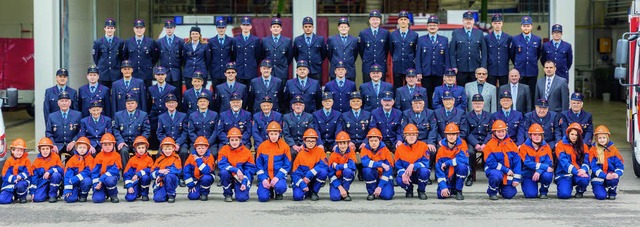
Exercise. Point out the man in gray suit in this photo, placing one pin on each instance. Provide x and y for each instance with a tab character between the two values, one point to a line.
520	92
553	88
487	90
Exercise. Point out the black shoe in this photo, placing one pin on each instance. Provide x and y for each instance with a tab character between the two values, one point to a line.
579	194
314	196
172	199
279	197
469	182
612	197
53	199
459	196
182	184
493	197
145	198
371	197
395	183
409	194
115	199
544	197
227	198
429	182
422	195
82	199
204	197
348	198
23	200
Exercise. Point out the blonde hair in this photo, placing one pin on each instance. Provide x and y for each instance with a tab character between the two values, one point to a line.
600	149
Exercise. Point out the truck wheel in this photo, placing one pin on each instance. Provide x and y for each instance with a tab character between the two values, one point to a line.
31	111
636	166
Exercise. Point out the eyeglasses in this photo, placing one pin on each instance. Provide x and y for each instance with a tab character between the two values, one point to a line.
481	73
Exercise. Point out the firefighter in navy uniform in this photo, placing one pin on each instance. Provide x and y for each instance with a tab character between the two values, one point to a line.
262	118
235	117
63	125
576	114
173	124
202	123
549	120
525	51
404	94
327	120
247	51
305	87
190	97
107	54
170	54
402	46
221	47
223	91
157	94
432	59
310	47
340	88
343	47
295	124
279	49
558	51
373	45
142	52
388	120
93	91
263	86
128	125
468	50
479	125
498	44
128	85
51	94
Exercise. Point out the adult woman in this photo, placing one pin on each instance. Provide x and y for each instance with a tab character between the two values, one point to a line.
196	56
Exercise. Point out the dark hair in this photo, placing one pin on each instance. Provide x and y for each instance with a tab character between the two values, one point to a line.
549	61
578	146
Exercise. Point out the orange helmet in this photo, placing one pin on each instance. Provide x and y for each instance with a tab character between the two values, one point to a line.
343	137
601	129
83	140
139	140
19	143
451	128
274	126
410	129
234	132
201	141
45	142
108	138
168	141
536	128
310	133
374	132
575	126
498	125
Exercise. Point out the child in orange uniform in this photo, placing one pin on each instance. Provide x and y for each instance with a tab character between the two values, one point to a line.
165	171
237	167
47	173
77	173
137	174
309	168
106	171
342	168
15	174
607	165
198	170
377	168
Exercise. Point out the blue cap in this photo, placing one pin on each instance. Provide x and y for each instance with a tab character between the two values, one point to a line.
468	15
159	70
276	20
505	94
195	29
343	20
327	95
267	98
556	28
450	72
197	75
245	20
204	95
477	98
130	97
526	20
447	95
221	23
433	19
109	22
236	96
496	18
92	69
138	23
355	95
62	72
340	64
417	97
63	95
403	13
376	68
126	64
307	20
577	96
387	96
95	103
170	97
297	99
169	24
542	103
266	63
411	72
375	13
230	65
302	63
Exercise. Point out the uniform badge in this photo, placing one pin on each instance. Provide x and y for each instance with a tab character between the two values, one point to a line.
368	44
93	52
348	125
121	127
560	121
135	89
519	49
441	51
382	40
411	44
55	128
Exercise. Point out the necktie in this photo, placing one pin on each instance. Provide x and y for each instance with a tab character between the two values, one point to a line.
357	114
95	121
197	93
498	37
221	41
230	86
469	34
375	32
377	88
170	40
387	115
344	39
433	39
556	44
126	84
480	86
327	113
266	83
130	116
302	82
448	112
527	37
514	93
60	90
507	113
404	35
478	115
449	87
417	116
64	116
93	89
275	40
340	83
298	116
411	90
139	42
160	89
235	114
308	41
109	40
245	38
204	114
172	115
546	91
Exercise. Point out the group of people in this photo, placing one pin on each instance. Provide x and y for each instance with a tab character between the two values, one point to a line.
371	133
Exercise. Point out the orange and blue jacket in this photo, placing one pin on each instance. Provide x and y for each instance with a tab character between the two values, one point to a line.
451	157
13	168
503	155
197	166
346	160
234	159
273	160
78	168
171	162
138	165
612	163
416	154
568	163
307	164
535	160
106	164
42	165
375	158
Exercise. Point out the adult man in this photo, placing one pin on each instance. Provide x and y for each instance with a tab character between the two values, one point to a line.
520	92
327	120
224	91
558	51
498	43
158	94
202	123
553	88
247	51
424	119
372	91
432	59
310	47
478	122
129	124
388	120
451	87
51	94
404	94
468	49
170	54
278	49
262	118
93	91
402	47
266	85
95	126
480	86
63	125
173	124
128	85
308	89
107	54
355	122
373	45
343	47
234	117
549	120
221	47
142	52
340	88
577	115
190	96
511	117
295	123
525	51
448	114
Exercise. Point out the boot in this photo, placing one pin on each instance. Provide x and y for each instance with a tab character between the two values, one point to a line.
227	198
279	197
314	196
429	181
348	198
182	184
612	197
82	199
145	198
23	200
422	196
579	194
172	199
493	197
204	197
53	199
459	196
544	196
371	197
114	199
468	182
409	194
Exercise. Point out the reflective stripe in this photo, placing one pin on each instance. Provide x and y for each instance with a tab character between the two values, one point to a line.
54	185
298	182
207	187
424	181
384	178
370	182
586	166
201	167
145	186
454	162
7	187
10	178
598	172
108	174
228	168
370	164
518	176
421	165
347	179
401	170
346	166
188	180
142	172
570	168
80	177
96	180
283	171
314	172
24	175
333	178
111	188
499	167
260	172
55	170
597	179
321	181
34	186
68	187
128	182
153	174
538	165
441	180
621	170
